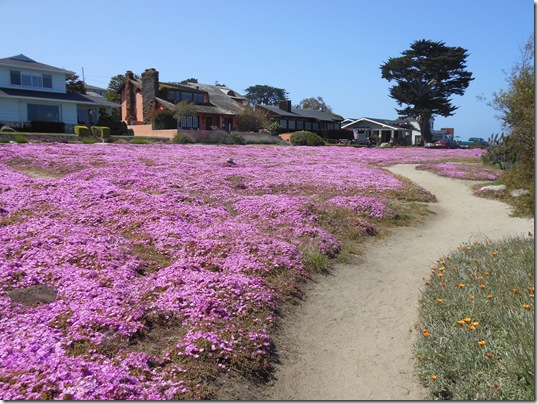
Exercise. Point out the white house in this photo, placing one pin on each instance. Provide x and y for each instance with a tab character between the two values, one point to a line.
403	131
33	91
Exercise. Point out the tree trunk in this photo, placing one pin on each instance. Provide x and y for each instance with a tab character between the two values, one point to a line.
425	130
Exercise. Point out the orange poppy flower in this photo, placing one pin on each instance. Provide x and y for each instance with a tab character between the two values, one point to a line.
467	320
482	286
460	322
471	297
481	343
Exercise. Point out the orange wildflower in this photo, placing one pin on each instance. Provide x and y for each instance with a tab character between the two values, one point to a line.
526	306
490	297
481	343
482	286
460	322
471	297
494	253
489	355
439	300
516	291
467	320
434	378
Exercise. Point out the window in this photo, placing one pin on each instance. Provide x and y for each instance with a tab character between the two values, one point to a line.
284	123
300	125
15	77
292	125
49	113
186	97
308	125
189	122
198	98
30	79
315	126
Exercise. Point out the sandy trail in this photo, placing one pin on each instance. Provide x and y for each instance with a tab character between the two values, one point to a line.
352	338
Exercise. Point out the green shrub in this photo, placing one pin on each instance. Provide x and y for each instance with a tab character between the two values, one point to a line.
101	132
163	119
298	139
219	137
81	131
139	140
237	138
87	140
117	127
313	139
47	127
306	138
21	139
276	129
182	138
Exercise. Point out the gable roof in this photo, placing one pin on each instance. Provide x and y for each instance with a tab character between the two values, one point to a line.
24	62
393	124
301	113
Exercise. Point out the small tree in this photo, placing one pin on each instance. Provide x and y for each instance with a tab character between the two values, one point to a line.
184	110
251	119
74	85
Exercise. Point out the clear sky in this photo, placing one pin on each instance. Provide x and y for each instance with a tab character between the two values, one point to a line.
327	48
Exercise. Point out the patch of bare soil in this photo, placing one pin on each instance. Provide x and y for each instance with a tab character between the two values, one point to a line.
33	295
352	338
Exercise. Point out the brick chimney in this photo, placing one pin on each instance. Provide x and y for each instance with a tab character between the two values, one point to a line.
285	105
130	110
150	87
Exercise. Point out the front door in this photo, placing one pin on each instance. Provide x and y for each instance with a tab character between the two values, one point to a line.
208	123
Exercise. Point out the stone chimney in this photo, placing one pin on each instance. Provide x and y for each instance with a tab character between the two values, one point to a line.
130	110
150	87
285	105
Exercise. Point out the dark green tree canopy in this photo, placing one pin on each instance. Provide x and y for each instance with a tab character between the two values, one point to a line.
114	85
315	104
74	85
265	95
426	76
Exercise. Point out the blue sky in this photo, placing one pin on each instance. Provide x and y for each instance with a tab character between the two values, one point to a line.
311	48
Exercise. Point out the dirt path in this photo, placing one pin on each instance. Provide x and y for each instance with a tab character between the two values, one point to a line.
352	338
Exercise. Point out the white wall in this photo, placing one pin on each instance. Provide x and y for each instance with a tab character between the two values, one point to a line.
58	80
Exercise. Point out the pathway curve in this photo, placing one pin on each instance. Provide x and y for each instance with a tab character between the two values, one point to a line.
352	338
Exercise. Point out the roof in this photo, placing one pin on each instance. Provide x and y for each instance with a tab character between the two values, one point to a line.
301	113
64	97
24	62
389	123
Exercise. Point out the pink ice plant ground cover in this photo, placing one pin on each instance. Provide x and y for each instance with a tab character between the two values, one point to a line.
168	242
462	171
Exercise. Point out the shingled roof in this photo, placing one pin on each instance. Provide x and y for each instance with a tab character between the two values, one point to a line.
24	62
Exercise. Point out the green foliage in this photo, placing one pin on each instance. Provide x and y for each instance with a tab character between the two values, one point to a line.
516	106
315	104
102	132
47	127
163	119
298	139
74	85
21	139
184	109
276	129
426	76
139	140
87	140
81	130
219	137
251	119
265	95
306	138
499	152
117	127
182	138
236	138
477	323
